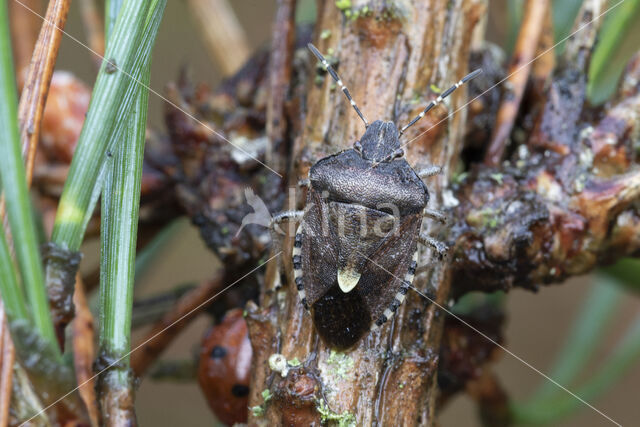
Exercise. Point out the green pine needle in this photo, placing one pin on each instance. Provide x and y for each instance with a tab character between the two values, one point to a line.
18	204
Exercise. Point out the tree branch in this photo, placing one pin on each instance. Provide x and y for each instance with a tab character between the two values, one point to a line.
387	55
565	202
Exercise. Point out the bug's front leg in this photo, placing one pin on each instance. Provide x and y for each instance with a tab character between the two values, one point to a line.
429	171
286	216
434	214
277	233
434	244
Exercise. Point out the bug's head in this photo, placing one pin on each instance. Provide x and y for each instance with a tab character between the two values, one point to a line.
379	141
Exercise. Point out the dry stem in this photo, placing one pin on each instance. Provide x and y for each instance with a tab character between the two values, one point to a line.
24	33
94	28
36	88
223	34
279	83
163	333
519	69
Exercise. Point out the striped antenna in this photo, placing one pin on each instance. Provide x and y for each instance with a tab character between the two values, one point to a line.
439	99
335	76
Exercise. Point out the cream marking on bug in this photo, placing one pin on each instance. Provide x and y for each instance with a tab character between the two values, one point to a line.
500	346
159	95
348	279
139	346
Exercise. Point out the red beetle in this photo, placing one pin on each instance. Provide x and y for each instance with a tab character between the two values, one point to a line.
224	368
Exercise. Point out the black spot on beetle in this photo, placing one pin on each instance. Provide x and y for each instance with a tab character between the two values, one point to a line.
239	390
218	352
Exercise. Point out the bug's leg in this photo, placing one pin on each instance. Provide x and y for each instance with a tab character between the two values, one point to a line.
441	97
434	244
396	154
338	80
429	171
276	232
297	267
398	299
286	216
277	236
437	215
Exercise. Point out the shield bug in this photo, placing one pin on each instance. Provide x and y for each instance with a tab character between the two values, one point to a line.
355	251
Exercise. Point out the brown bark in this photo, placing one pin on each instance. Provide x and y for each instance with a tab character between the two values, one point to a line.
388	55
116	401
492	400
280	70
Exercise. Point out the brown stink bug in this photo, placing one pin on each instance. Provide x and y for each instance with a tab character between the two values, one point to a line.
355	251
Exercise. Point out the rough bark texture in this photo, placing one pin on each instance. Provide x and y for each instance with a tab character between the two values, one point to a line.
388	54
115	400
565	201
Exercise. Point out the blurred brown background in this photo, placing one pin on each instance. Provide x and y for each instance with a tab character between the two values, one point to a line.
537	324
